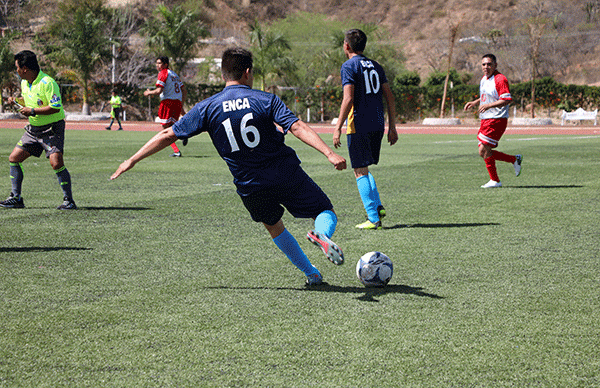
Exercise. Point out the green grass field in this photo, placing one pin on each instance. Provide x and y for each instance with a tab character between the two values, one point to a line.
161	279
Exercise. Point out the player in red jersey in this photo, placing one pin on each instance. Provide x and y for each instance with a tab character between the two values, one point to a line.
172	94
494	97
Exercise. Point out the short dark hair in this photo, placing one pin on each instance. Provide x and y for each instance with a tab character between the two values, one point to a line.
27	59
356	39
492	57
165	60
234	62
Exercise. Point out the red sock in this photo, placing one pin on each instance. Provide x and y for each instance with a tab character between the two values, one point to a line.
490	164
501	156
175	149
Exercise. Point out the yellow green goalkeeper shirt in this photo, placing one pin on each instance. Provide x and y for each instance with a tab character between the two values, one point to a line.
43	91
115	101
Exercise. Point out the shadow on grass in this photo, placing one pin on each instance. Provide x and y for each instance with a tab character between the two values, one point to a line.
113	208
546	187
368	293
452	225
42	249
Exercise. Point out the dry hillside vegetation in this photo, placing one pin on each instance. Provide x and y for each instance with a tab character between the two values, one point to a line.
569	49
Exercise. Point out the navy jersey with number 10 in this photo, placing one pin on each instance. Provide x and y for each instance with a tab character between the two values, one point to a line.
367	76
241	123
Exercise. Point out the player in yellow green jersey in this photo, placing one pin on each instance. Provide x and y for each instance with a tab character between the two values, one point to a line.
45	131
115	103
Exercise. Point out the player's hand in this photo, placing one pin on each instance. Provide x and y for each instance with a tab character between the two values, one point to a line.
338	161
336	138
468	105
392	136
126	165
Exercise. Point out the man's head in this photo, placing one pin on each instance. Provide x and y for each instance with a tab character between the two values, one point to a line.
235	63
162	63
355	41
488	64
27	59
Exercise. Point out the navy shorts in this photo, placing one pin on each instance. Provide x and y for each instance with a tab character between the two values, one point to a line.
364	148
299	194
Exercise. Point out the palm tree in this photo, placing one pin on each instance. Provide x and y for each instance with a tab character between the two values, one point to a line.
175	33
77	41
270	55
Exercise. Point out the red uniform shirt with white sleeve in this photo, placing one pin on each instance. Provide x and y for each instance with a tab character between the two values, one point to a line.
491	90
171	84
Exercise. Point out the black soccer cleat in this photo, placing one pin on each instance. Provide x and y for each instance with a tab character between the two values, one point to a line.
13	202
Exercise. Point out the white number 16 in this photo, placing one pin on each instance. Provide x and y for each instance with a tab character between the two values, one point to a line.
245	130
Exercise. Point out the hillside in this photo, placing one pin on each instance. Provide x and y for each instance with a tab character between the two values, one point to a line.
569	49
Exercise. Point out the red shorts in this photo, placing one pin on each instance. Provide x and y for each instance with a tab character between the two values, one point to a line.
169	111
491	130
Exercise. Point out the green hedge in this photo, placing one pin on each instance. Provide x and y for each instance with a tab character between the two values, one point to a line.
412	101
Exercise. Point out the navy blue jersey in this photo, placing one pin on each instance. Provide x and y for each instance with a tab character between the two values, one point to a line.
367	76
241	123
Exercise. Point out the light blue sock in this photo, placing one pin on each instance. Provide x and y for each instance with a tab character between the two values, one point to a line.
288	245
325	223
374	189
368	198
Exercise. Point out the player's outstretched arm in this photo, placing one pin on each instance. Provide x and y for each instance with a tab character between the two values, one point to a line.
161	140
308	136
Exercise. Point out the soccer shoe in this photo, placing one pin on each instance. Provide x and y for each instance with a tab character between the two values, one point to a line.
369	225
314	279
517	164
13	202
176	154
381	211
68	204
491	184
120	129
108	128
184	142
329	248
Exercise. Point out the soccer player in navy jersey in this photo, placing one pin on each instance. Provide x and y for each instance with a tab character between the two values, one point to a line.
494	97
267	174
364	84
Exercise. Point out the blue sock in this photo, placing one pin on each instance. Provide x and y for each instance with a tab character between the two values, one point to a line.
368	198
374	189
325	223
288	245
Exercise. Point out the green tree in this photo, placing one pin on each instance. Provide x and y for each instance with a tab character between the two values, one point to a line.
175	33
270	54
7	65
76	41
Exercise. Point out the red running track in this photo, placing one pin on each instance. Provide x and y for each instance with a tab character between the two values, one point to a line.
327	128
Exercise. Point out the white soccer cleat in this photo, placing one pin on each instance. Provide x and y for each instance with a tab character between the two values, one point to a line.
491	184
517	164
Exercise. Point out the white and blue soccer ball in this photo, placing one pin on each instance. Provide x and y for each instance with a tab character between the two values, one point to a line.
374	269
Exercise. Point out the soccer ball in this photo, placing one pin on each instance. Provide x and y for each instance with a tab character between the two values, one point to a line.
374	269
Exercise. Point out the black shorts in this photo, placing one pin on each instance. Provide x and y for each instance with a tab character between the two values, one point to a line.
299	194
364	148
